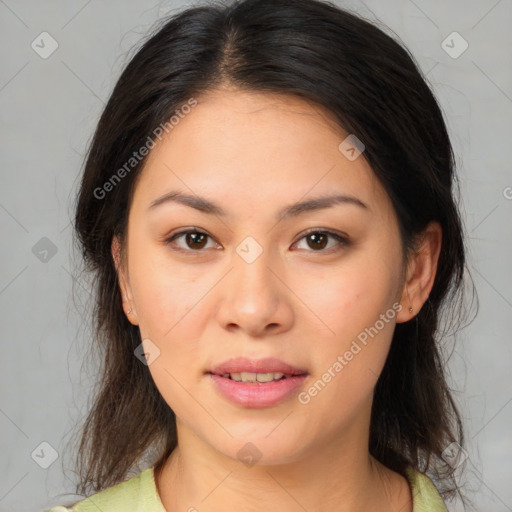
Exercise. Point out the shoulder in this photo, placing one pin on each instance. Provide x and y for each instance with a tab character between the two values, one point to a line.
135	494
426	498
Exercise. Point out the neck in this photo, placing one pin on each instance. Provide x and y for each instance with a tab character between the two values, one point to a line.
341	476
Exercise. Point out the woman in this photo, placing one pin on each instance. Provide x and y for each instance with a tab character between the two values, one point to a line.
267	206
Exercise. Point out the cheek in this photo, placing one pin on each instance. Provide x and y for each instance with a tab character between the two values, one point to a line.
355	338
171	311
168	305
164	294
351	298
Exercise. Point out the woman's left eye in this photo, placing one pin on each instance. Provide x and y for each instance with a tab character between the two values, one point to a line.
318	240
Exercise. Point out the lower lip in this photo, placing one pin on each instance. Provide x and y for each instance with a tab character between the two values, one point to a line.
257	394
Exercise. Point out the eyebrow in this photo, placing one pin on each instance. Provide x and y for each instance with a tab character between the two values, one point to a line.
206	206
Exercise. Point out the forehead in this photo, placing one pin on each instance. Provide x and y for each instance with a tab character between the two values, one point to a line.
255	148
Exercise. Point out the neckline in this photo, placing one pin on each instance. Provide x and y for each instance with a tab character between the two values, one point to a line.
151	494
411	477
150	490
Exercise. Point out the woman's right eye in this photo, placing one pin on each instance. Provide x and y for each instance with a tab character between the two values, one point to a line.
193	239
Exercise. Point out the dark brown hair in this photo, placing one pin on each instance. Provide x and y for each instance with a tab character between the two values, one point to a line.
375	90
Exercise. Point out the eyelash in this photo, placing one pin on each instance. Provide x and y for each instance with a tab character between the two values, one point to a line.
343	241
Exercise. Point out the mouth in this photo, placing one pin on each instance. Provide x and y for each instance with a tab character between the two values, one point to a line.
257	383
256	370
252	377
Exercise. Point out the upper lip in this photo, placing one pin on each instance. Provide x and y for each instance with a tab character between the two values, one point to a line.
265	365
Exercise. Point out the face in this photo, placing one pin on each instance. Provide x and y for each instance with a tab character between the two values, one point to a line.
317	288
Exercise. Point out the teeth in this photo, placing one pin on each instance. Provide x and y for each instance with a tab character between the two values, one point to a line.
254	377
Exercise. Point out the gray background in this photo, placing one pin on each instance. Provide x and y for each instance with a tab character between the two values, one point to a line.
49	108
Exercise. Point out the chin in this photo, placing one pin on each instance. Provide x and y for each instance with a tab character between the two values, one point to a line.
261	450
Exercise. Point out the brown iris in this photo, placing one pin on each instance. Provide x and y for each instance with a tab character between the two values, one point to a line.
196	240
319	240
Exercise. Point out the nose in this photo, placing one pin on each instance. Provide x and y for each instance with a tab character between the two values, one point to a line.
254	298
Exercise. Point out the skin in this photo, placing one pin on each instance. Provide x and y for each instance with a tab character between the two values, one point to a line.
253	154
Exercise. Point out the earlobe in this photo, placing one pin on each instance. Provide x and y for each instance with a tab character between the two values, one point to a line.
421	273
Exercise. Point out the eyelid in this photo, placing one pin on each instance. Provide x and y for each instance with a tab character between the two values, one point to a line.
327	231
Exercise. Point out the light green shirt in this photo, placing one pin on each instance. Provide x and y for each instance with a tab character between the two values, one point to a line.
139	494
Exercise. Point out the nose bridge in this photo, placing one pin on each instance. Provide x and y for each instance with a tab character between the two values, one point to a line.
254	297
253	264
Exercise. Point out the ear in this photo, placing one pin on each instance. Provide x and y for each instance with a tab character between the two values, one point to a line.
421	272
124	282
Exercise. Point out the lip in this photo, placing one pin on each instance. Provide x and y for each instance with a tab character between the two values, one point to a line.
265	365
257	394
